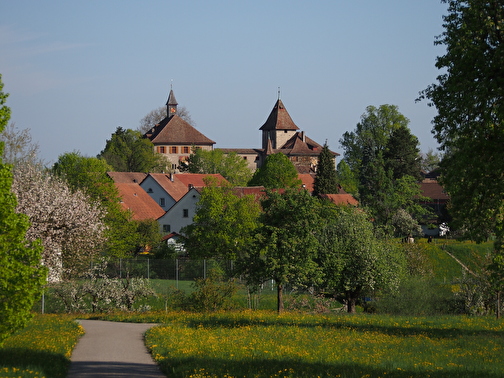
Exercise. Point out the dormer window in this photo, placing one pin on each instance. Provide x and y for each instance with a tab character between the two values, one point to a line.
150	190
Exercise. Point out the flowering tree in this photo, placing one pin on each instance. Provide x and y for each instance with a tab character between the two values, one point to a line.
67	222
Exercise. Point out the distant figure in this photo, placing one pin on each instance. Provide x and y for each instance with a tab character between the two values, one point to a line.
430	239
410	240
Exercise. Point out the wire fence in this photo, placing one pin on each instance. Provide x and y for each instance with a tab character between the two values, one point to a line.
166	269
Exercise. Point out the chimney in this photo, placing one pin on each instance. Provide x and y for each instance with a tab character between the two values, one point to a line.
191	186
172	177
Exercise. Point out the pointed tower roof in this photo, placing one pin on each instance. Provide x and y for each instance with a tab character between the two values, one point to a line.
279	119
171	99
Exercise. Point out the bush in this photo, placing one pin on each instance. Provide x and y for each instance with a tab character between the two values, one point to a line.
213	292
420	296
99	293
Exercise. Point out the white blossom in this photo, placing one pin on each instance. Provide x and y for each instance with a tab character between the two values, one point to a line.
68	223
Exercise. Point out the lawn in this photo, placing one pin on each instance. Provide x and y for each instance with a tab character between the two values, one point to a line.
42	349
265	344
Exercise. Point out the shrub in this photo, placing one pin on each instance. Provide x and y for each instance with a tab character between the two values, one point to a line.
420	296
99	293
213	292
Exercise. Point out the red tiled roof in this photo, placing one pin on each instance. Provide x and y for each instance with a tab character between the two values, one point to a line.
174	130
341	199
138	201
127	177
300	144
279	119
249	151
307	180
431	189
177	185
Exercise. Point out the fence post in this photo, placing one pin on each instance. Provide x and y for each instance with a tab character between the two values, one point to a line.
176	271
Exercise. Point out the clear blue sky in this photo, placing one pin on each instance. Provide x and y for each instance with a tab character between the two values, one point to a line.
76	70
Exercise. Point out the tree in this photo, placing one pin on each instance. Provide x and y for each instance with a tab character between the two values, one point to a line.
157	115
346	178
326	181
23	276
354	262
469	125
223	224
231	166
19	147
277	172
285	245
381	168
90	175
128	151
402	155
430	160
469	98
69	224
372	133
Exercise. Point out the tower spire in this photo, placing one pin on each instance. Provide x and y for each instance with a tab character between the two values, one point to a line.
171	103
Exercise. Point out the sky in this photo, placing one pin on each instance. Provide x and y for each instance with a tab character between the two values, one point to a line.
76	70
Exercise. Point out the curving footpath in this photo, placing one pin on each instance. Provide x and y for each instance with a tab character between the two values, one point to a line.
113	349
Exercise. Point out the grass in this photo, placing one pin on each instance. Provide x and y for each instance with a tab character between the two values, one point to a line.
42	349
264	344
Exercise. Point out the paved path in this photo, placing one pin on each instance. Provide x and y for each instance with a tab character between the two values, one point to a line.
113	349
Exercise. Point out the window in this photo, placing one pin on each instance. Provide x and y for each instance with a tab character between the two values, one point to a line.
166	228
162	202
185	150
185	213
244	158
174	166
173	150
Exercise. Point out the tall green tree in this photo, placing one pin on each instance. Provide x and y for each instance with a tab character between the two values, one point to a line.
326	180
223	225
23	276
469	125
128	151
372	132
382	169
285	245
402	155
277	172
231	166
354	262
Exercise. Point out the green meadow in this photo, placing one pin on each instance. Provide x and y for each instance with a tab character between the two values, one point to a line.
265	344
261	343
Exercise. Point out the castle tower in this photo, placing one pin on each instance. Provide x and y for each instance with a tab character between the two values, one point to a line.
278	128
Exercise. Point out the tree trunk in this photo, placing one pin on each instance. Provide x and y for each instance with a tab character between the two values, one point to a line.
497	312
351	304
280	306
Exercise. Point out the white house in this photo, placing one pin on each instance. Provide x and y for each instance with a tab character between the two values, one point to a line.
181	214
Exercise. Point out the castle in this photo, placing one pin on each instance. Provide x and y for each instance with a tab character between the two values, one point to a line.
175	138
